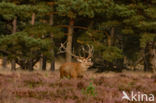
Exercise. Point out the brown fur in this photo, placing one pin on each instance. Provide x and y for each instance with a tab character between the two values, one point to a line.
72	70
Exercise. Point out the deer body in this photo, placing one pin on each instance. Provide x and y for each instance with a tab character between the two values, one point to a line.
72	70
76	69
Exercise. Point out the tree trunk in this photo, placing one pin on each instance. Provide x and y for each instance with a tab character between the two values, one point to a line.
150	57
51	22
14	23
44	60
40	63
27	64
52	67
4	62
109	40
110	37
30	64
33	18
13	65
69	41
154	55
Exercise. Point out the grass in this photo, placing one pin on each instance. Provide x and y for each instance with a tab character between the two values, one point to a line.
47	87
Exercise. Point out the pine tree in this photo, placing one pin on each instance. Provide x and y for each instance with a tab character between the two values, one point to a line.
73	9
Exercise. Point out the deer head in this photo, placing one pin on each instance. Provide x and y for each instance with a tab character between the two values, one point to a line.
85	61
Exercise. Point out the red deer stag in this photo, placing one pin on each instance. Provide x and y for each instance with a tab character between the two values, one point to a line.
76	69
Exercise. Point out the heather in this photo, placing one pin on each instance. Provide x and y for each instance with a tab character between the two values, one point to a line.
116	38
47	87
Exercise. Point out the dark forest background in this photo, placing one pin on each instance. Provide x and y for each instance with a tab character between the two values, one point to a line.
123	32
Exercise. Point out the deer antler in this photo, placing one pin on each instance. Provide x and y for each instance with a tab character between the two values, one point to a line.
63	49
90	51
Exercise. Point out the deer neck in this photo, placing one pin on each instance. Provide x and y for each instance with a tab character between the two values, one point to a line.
84	67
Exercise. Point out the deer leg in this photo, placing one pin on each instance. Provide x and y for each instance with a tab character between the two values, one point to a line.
80	76
74	75
62	74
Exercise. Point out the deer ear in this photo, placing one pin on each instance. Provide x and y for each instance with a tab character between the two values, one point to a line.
79	60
